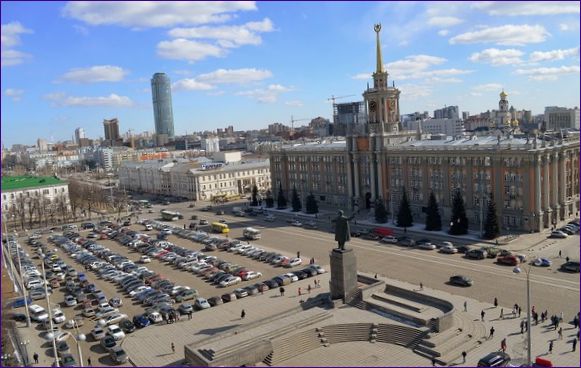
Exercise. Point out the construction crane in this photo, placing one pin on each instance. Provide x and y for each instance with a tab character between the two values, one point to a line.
292	132
333	98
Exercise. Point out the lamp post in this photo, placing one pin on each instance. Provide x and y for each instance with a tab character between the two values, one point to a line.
528	272
51	335
24	344
78	338
24	291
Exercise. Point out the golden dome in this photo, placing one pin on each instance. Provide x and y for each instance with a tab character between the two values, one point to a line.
515	123
503	94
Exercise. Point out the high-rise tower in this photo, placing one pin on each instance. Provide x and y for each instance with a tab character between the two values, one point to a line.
162	105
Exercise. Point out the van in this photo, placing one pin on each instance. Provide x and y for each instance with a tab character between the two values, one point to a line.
37	313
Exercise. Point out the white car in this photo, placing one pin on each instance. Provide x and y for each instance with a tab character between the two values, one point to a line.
318	268
294	262
58	316
139	290
251	275
389	239
233	280
148	227
166	231
292	277
145	259
155	317
449	249
201	303
70	301
116	332
61	336
113	319
296	223
558	234
98	333
270	218
428	246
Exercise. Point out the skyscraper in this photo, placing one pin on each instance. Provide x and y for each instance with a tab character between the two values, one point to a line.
111	128
162	106
79	134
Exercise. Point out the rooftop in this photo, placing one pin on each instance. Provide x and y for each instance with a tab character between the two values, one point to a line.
21	182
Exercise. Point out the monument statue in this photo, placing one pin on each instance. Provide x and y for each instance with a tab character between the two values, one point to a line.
342	231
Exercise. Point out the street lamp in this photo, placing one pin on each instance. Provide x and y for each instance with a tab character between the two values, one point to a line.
24	292
79	337
51	335
528	272
24	344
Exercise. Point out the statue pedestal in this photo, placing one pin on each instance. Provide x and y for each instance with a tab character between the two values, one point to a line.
343	273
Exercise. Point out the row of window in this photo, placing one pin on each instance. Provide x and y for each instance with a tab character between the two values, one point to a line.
34	192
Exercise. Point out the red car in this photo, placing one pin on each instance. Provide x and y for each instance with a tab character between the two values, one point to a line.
508	260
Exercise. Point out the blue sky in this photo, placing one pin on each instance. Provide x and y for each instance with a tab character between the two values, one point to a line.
69	65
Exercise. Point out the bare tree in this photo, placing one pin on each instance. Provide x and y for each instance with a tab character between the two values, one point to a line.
31	204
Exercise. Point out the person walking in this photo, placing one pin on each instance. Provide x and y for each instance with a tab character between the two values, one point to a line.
482	314
281	291
300	292
495	302
519	311
503	345
464	357
551	347
173	348
298	254
574	344
309	288
433	362
89	361
501	313
560	333
242	314
465	306
189	314
421	286
35	357
522	327
567	259
560	253
491	332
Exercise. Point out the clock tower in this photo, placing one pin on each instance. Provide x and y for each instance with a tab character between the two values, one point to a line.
382	101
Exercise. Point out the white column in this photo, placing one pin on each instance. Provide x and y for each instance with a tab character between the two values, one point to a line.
538	209
547	182
562	185
555	184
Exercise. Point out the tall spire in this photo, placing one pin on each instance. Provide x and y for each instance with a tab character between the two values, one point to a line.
379	67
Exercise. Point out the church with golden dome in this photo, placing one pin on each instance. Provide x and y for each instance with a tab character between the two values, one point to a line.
504	118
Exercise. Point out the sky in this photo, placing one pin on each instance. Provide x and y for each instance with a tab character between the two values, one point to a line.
250	64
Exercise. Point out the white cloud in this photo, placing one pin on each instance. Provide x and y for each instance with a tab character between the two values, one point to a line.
95	74
553	54
10	37
113	100
444	21
10	34
414	91
227	36
510	34
142	14
443	32
16	94
266	95
361	76
548	73
235	76
488	87
13	57
521	8
190	84
497	57
294	103
192	51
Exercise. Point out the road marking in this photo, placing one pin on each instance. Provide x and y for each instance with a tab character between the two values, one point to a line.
492	270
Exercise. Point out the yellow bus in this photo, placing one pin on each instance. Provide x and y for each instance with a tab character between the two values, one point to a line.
221	228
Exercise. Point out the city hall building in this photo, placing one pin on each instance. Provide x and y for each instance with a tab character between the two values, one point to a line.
534	180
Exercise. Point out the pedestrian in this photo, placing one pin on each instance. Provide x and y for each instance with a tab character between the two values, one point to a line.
575	322
560	333
309	288
173	348
561	317
513	312
184	226
190	315
421	286
519	311
375	276
574	344
495	302
463	357
503	345
551	347
242	314
522	327
533	310
300	292
491	332
281	291
501	313
465	306
567	259
35	357
298	254
482	315
560	253
318	283
536	318
433	362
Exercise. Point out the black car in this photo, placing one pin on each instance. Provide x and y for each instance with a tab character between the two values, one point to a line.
108	342
571	266
461	280
127	326
87	225
496	359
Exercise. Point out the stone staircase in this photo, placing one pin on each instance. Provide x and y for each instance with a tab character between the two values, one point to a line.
289	347
400	335
334	334
448	345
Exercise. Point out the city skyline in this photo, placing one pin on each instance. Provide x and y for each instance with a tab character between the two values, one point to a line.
249	65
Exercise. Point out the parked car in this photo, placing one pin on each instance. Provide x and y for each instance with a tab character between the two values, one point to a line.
558	234
144	259
406	242
141	321
495	359
542	262
269	218
116	332
201	303
118	355
127	326
98	333
108	342
449	249
58	316
571	266
389	239
186	308
476	254
229	297
461	280
296	223
240	293
508	260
